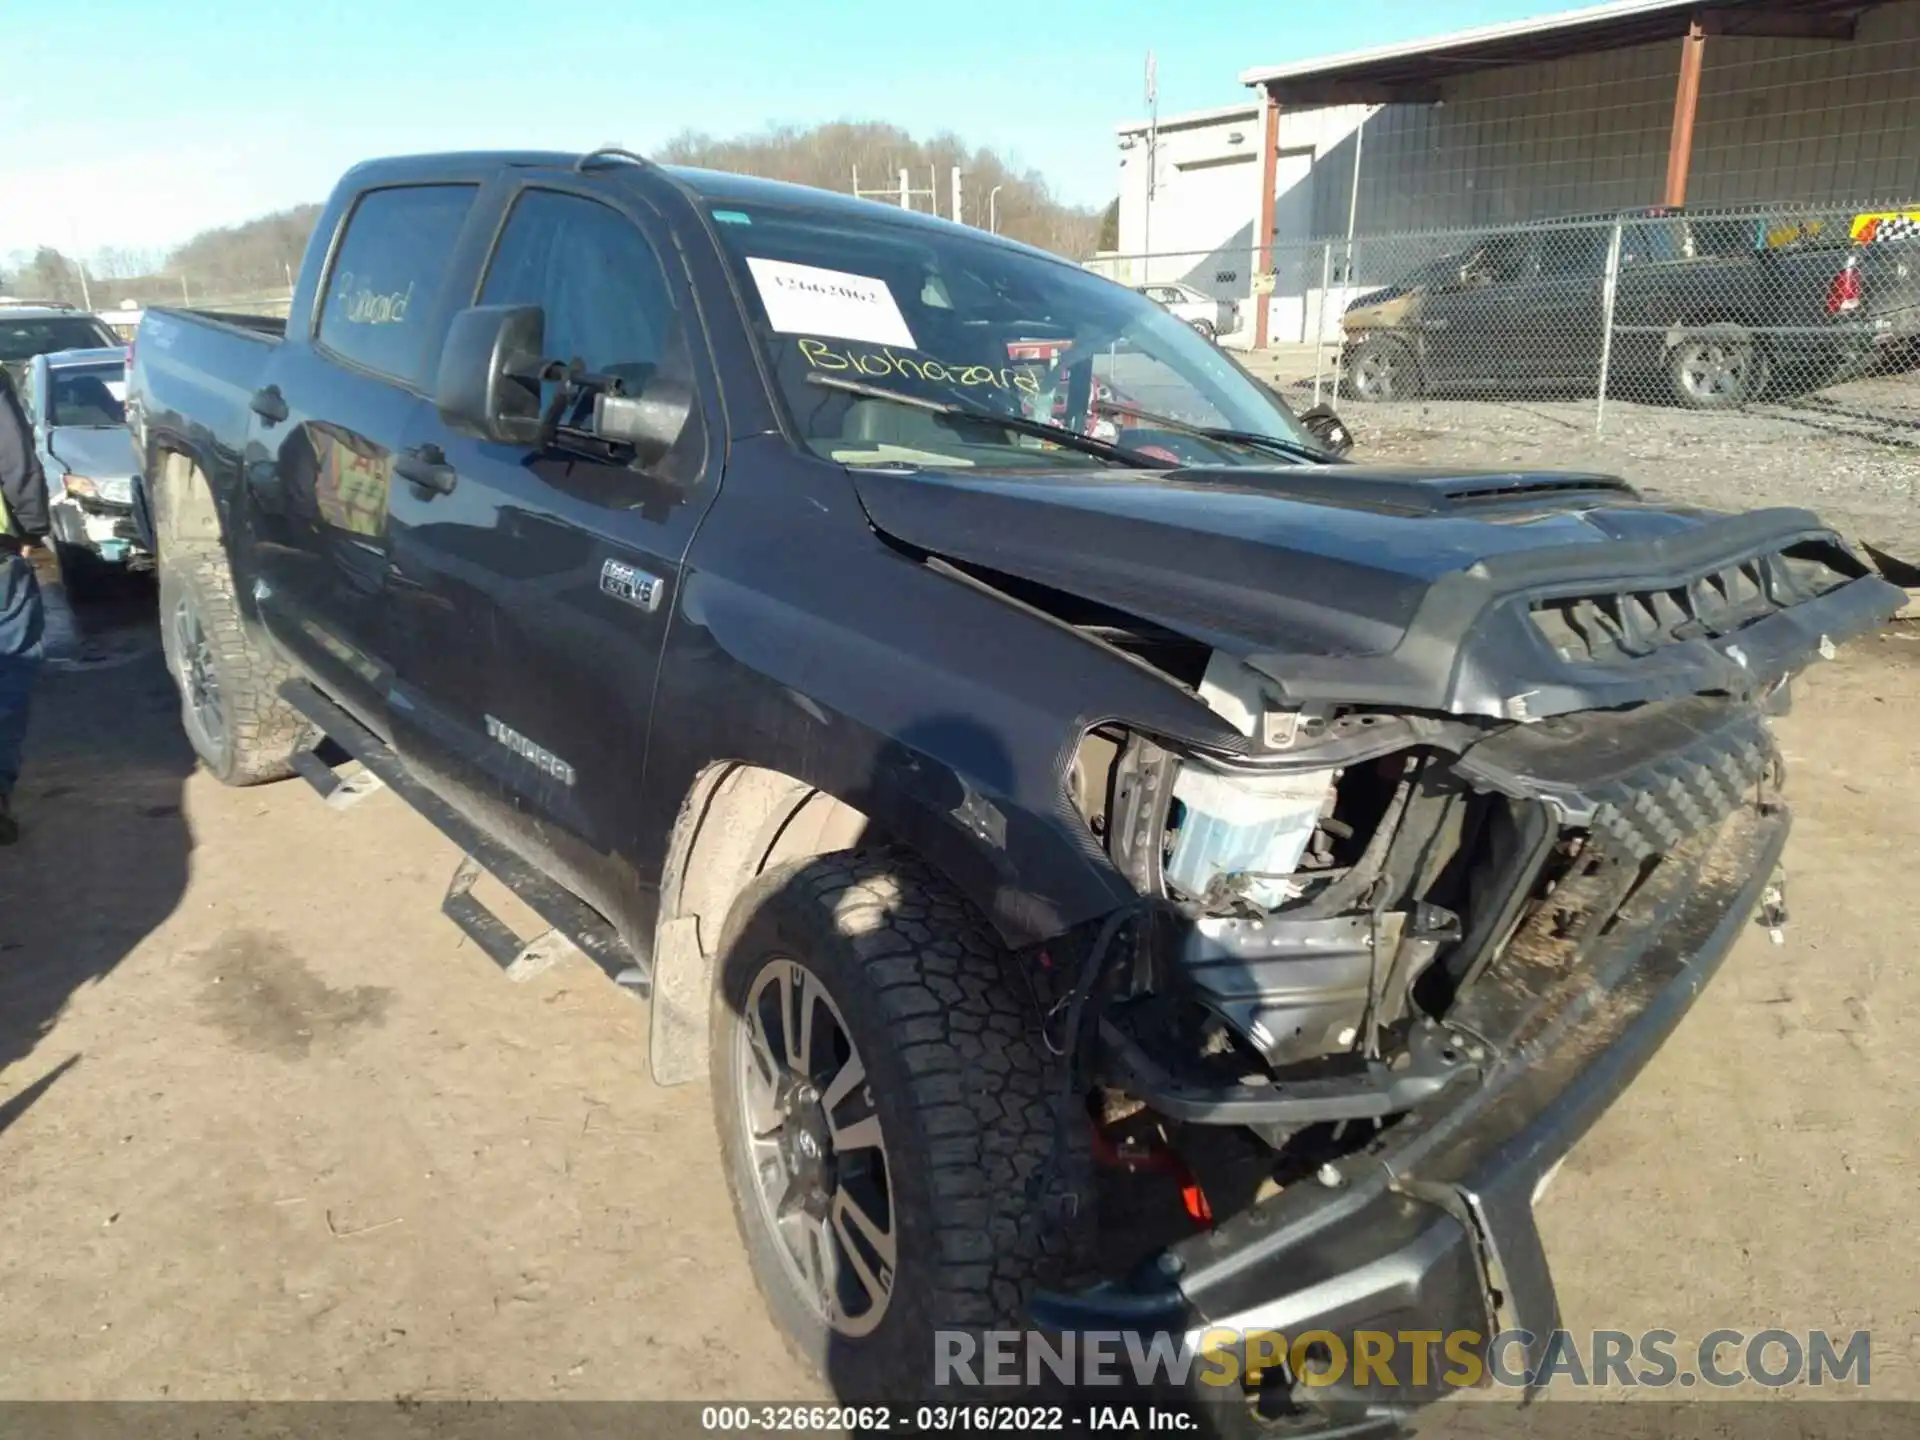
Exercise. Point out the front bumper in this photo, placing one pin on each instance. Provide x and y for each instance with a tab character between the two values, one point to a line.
1432	1229
103	527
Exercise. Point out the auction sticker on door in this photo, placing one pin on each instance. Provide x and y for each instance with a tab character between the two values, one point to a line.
810	300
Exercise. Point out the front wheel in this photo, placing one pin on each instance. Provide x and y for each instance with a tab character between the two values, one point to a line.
886	1118
1205	329
1717	371
1381	368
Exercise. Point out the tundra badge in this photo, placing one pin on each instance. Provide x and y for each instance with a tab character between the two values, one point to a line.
538	756
631	584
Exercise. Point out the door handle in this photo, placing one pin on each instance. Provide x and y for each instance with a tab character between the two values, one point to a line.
427	468
269	404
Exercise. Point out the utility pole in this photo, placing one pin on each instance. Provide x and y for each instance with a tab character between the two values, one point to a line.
1153	168
956	196
906	190
993	210
73	235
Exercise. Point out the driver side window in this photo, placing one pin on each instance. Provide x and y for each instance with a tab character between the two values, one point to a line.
606	298
1508	259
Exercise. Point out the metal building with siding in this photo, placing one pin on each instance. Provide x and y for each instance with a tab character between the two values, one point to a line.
1637	102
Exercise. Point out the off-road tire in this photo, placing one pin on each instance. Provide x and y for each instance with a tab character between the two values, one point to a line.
262	732
967	1096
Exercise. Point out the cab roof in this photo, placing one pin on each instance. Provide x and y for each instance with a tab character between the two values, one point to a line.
704	185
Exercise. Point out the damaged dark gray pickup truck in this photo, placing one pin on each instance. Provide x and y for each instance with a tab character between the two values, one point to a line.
1036	786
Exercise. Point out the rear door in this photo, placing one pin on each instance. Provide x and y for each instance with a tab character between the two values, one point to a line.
1669	267
532	600
336	403
1557	311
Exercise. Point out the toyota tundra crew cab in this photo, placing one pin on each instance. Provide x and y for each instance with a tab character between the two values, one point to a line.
1117	867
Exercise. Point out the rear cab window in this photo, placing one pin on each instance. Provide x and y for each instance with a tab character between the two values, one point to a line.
1655	241
1575	254
383	284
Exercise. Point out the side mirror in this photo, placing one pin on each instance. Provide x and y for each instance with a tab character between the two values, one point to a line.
1329	429
649	422
488	382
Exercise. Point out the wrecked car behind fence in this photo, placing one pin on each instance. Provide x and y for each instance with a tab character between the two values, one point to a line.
1020	765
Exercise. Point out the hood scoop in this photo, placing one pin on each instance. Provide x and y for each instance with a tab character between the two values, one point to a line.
1388	491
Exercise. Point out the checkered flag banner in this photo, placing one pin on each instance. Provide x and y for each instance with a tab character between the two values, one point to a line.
1879	229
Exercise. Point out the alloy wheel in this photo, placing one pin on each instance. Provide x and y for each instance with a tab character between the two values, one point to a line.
199	680
816	1148
1715	371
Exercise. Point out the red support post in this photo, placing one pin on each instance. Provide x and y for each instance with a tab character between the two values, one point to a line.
1269	173
1686	100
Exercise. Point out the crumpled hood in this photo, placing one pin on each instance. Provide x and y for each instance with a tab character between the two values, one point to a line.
1302	570
1322	560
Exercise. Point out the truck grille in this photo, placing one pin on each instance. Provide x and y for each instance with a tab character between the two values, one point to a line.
1620	626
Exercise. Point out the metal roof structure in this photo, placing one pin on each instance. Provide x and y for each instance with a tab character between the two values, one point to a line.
1246	110
1411	73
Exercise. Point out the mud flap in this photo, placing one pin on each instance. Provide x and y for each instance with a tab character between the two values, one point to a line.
682	996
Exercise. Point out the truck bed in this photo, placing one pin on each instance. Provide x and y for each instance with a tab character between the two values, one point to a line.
196	370
273	327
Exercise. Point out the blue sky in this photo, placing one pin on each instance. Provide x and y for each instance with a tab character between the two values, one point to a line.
172	118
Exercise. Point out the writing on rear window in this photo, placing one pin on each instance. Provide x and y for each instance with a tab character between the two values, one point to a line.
386	270
367	306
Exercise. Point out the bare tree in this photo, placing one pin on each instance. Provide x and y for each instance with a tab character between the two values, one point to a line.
827	155
257	255
256	259
46	275
119	263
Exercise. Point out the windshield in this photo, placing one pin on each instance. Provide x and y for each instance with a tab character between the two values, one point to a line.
23	337
974	324
87	395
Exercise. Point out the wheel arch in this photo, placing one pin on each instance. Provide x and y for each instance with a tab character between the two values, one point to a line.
739	819
181	504
736	821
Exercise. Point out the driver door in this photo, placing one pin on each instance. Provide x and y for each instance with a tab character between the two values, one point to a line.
1469	322
532	597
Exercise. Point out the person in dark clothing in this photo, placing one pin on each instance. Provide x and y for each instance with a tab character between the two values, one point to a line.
23	525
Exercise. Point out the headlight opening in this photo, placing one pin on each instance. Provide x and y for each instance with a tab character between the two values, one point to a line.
1244	836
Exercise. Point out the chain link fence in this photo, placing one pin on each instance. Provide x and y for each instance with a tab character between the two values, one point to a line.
1756	355
1704	310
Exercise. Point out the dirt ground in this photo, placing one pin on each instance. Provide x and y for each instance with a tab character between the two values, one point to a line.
270	1129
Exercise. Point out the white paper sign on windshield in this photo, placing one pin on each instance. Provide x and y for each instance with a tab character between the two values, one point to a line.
808	300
